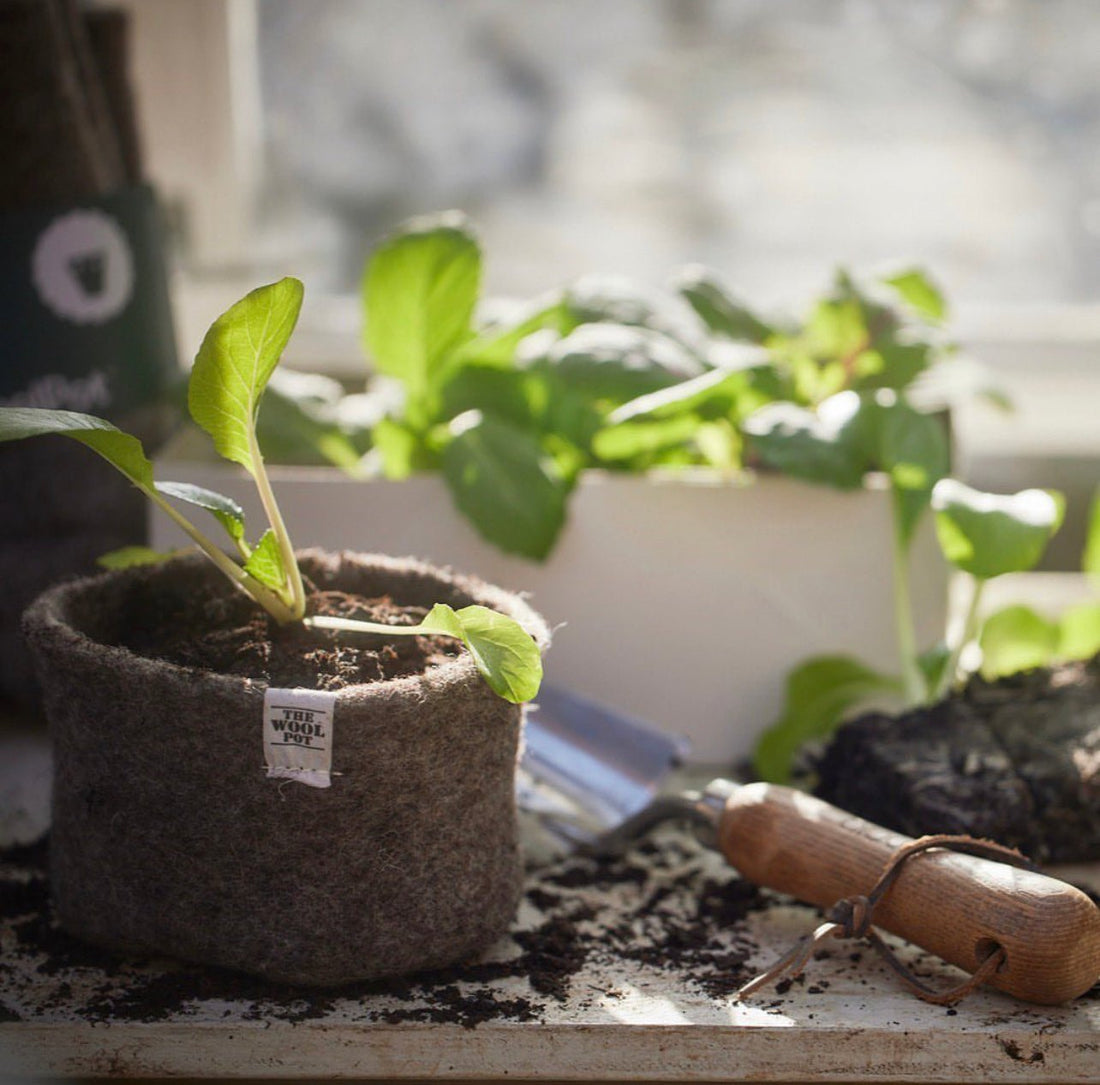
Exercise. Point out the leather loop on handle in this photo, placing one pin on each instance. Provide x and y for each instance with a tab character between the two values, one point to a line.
957	906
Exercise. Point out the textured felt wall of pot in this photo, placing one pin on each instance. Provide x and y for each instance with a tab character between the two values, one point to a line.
169	838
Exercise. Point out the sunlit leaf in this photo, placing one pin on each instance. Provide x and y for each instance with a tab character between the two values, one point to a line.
989	534
234	364
119	449
127	557
917	290
265	563
419	293
227	511
503	651
1016	638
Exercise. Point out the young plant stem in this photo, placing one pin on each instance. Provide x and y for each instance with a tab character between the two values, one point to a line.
297	601
263	595
966	635
913	683
354	625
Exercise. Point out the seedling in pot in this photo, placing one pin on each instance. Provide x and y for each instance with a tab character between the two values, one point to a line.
231	371
983	535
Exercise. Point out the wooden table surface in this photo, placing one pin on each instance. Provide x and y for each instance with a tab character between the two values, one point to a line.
627	1013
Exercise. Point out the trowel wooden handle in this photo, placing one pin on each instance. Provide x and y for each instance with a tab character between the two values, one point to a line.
956	906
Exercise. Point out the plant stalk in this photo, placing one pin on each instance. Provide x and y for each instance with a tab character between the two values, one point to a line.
966	635
297	602
913	684
355	625
263	595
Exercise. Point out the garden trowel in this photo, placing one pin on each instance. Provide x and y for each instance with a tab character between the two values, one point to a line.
595	776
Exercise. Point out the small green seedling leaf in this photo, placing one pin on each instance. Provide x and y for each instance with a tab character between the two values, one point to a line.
419	293
234	364
987	535
119	449
819	693
933	663
1090	560
1079	631
265	563
1017	639
920	293
225	510
126	557
503	651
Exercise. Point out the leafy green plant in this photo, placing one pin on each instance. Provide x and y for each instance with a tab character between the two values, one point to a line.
228	380
982	535
1018	637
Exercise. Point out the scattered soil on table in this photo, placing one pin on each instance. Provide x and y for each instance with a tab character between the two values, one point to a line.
661	906
209	625
1016	761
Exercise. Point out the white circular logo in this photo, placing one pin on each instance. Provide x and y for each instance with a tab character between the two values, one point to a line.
82	267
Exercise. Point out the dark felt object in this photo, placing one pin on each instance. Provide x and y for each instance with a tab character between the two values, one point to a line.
56	135
169	838
60	510
1016	760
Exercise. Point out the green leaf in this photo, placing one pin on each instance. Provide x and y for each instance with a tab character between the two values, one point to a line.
402	450
419	293
719	310
644	437
506	483
1090	560
234	364
1016	639
932	663
126	557
919	292
990	534
300	423
823	446
614	363
119	449
227	512
819	693
265	563
533	399
1079	631
912	448
503	651
497	345
717	393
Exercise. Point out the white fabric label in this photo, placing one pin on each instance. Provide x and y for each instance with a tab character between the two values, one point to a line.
298	735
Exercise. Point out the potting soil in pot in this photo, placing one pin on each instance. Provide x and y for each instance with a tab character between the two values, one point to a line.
1016	761
169	836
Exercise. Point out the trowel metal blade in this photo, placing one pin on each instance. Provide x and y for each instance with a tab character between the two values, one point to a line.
587	768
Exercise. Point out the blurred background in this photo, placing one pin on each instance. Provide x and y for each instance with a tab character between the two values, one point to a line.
769	139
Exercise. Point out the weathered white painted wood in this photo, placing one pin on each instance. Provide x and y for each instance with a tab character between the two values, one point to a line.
847	1021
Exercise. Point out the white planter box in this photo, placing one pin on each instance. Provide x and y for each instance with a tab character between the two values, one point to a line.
683	601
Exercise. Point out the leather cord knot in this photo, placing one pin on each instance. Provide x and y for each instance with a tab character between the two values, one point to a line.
852	917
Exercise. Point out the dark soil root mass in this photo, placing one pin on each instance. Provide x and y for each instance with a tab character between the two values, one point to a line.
1016	760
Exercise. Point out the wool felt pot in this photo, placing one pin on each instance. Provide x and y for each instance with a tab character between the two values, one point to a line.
169	838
